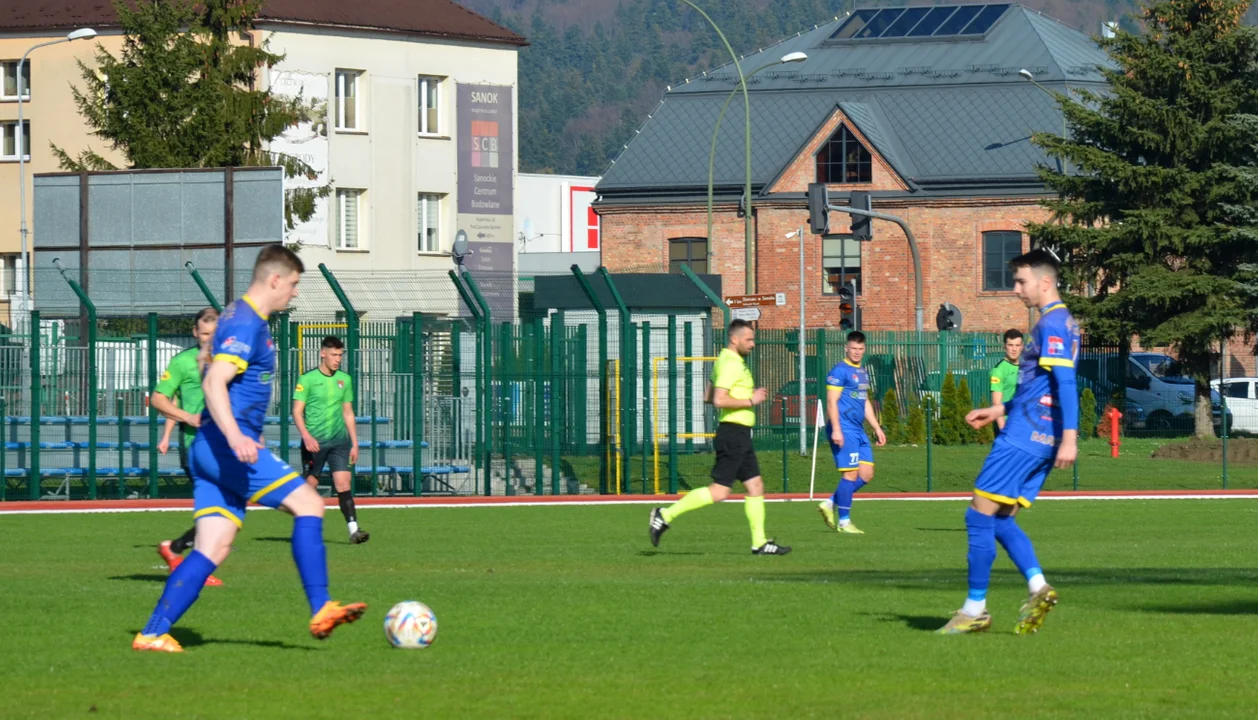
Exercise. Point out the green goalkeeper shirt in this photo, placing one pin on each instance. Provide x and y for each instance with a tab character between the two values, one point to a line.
1005	379
325	397
182	381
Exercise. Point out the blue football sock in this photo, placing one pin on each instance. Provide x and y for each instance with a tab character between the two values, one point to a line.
1018	545
982	532
843	496
312	560
182	588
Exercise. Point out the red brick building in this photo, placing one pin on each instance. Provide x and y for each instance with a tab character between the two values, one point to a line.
927	109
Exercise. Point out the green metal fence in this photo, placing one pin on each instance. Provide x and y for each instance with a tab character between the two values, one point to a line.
457	399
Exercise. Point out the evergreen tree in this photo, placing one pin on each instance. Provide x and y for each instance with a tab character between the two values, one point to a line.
915	432
1087	414
947	430
1158	209
892	423
964	404
183	94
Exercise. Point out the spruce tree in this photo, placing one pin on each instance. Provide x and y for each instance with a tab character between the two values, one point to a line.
183	93
915	433
892	423
1157	214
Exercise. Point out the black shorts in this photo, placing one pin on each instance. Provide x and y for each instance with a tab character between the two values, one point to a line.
335	456
735	455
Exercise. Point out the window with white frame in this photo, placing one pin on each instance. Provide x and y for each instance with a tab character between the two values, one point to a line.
429	105
12	139
428	207
8	83
8	274
347	105
348	224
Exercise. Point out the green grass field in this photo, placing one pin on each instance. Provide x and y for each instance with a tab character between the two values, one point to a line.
567	612
903	469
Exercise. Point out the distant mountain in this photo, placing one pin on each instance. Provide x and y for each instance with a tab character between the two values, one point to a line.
596	68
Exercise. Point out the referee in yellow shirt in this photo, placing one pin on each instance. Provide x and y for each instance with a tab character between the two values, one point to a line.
734	394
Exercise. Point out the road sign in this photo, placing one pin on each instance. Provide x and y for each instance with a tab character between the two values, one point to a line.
750	314
751	301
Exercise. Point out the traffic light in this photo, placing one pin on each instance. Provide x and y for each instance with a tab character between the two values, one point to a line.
818	209
848	318
948	317
861	227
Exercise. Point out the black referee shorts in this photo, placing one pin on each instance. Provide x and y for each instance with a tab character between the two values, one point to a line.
335	457
735	455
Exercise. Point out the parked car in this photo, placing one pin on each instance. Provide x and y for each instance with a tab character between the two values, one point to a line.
1242	402
1160	398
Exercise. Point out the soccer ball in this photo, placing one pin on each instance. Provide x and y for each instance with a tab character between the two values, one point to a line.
410	625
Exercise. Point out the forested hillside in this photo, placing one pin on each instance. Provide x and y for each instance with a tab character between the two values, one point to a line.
596	68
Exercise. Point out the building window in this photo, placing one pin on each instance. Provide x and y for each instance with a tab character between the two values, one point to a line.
8	275
428	208
429	105
12	140
688	251
844	160
8	85
999	247
347	99
348	229
841	264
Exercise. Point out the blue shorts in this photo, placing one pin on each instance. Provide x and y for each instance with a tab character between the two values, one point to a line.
221	484
856	451
1011	475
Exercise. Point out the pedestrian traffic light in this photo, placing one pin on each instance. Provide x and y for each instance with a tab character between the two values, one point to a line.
848	318
818	208
861	227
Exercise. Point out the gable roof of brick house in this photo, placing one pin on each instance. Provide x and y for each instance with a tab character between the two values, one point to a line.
935	90
426	18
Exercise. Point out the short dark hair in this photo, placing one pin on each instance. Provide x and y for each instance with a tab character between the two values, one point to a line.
856	336
739	324
1013	334
332	342
276	259
203	314
1037	259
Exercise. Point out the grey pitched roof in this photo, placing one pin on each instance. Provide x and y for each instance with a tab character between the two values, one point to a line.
939	111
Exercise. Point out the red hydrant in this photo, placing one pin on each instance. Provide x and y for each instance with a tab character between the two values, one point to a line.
1115	423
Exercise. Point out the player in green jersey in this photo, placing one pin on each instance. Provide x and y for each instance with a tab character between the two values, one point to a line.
324	412
182	381
1005	374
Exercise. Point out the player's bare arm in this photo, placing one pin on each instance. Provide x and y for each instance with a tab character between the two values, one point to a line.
164	444
998	398
219	374
299	419
872	418
723	400
171	411
984	416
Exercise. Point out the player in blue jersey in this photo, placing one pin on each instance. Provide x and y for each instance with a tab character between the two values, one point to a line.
1041	432
847	410
231	465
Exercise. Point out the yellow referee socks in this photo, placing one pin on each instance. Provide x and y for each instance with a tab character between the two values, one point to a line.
754	507
692	500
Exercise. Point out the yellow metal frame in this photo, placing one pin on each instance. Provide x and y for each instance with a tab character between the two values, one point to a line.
302	327
655	402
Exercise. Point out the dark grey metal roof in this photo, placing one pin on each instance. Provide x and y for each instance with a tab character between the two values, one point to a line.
939	111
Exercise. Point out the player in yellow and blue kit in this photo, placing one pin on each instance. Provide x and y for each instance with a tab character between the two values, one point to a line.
231	465
847	410
1041	432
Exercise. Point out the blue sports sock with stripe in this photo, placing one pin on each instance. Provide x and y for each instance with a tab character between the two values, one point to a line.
842	497
182	588
311	558
982	554
1017	544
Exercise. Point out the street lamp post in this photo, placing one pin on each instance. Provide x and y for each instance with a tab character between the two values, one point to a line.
23	148
790	58
750	284
803	368
1030	77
